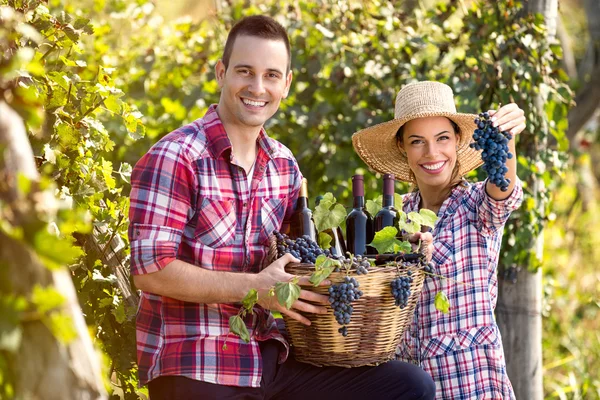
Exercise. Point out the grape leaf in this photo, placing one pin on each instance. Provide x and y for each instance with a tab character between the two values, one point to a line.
250	300
328	214
238	327
441	302
373	206
324	240
324	266
319	276
408	227
385	241
428	217
398	202
287	293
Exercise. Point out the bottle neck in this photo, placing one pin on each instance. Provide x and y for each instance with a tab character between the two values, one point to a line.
388	201
359	201
301	203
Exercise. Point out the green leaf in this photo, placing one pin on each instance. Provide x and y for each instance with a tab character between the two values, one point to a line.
324	240
324	266
250	300
398	202
238	326
385	240
319	276
119	313
408	227
428	217
46	299
107	171
287	293
441	302
373	206
54	251
328	214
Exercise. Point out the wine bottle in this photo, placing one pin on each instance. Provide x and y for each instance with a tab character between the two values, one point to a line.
301	221
359	223
338	245
388	215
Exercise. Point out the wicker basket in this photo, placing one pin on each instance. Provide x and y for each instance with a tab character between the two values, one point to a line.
376	327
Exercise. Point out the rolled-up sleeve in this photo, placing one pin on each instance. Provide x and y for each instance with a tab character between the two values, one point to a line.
162	199
492	214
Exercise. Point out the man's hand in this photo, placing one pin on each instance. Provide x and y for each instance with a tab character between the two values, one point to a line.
426	240
274	273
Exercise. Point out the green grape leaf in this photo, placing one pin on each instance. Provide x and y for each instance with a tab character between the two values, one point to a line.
409	227
398	202
428	217
385	240
328	214
119	313
324	240
250	300
373	206
237	326
441	302
287	293
319	276
324	266
403	247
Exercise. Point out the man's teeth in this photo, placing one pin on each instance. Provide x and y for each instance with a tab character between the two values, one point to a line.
254	103
433	166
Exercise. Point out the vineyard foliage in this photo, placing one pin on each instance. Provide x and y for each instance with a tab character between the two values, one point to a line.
98	84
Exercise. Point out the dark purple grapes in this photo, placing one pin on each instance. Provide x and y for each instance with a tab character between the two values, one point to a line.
495	152
341	297
303	248
429	268
401	290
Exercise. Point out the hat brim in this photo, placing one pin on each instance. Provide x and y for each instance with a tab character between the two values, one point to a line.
378	148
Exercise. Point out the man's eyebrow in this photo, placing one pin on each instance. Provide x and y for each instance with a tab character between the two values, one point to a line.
251	67
417	136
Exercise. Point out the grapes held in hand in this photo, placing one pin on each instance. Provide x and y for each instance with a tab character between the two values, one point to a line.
495	152
303	248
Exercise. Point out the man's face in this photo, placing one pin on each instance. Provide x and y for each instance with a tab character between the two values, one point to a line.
254	83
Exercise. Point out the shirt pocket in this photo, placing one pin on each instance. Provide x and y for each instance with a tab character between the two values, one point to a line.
271	213
215	222
461	340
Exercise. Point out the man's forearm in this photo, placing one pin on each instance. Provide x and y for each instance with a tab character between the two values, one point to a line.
182	281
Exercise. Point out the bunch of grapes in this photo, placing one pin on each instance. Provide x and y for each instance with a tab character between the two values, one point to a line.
495	150
401	289
341	296
304	248
429	267
358	264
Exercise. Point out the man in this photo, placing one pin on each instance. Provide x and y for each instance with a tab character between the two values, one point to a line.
204	200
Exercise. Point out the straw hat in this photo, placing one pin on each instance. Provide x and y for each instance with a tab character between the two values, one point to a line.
380	150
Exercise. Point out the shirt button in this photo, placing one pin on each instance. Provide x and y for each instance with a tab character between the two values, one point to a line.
245	204
413	334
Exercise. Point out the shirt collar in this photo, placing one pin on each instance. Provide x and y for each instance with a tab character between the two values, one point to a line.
218	141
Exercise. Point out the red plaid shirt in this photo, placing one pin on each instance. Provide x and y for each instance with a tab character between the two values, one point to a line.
190	201
462	350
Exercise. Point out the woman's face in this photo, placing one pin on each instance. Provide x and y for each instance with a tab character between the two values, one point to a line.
430	145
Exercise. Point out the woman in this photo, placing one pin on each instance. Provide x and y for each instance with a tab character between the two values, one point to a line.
427	144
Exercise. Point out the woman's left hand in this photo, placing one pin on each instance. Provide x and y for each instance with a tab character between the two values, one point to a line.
509	118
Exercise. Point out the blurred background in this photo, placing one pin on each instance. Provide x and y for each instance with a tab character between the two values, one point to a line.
94	83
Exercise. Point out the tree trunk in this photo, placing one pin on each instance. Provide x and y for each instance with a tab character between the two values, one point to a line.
44	367
520	301
588	96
